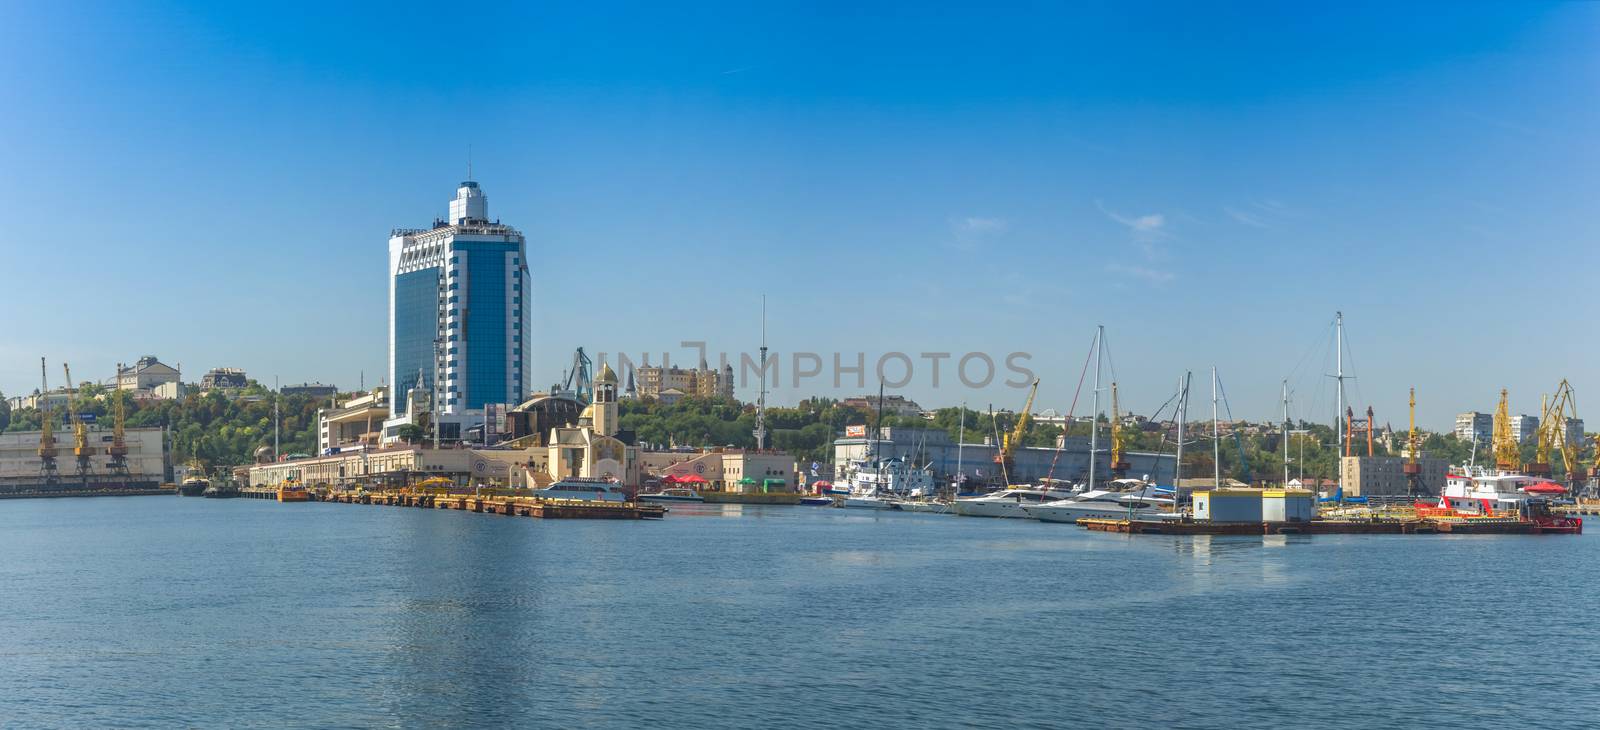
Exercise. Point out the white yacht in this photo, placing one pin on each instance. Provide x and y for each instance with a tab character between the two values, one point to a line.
882	484
1007	502
601	490
1121	498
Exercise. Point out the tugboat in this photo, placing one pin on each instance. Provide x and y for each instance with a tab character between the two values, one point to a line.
221	490
193	486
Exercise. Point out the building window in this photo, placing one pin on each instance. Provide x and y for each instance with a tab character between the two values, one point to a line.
453	299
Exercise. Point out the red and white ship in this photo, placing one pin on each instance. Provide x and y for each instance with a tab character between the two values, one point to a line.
1481	493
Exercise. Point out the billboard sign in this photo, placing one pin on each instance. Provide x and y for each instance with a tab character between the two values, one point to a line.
855	432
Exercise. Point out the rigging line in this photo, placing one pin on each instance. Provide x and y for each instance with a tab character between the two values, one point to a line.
1324	339
1244	463
1066	427
1321	380
1105	348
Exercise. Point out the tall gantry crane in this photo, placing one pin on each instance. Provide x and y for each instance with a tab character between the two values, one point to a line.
1560	410
80	430
1413	469
118	450
47	435
1008	444
1506	455
1118	466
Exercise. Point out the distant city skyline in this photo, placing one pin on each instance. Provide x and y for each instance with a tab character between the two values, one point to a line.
215	186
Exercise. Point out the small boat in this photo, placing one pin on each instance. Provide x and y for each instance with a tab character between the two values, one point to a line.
220	491
193	486
673	494
817	501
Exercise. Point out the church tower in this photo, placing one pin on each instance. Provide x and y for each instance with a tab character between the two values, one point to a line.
605	401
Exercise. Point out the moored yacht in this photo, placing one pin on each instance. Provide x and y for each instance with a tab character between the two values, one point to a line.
1122	498
579	488
1007	502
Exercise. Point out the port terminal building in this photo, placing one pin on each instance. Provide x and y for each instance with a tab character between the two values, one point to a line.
148	460
935	447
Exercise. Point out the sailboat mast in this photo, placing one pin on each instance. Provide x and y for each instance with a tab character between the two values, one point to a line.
1094	416
1286	432
962	436
1216	434
1183	413
1338	413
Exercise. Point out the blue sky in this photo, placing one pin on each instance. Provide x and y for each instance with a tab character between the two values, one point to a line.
215	185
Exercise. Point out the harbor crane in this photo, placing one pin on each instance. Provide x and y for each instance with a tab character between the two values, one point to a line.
1119	468
1411	468
1507	457
118	450
1008	444
80	430
1557	411
47	436
579	381
1352	425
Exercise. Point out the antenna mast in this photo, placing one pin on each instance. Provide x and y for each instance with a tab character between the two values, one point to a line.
761	398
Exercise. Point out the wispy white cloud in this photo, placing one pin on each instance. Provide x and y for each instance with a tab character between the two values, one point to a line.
1154	276
983	226
1249	219
972	232
1147	226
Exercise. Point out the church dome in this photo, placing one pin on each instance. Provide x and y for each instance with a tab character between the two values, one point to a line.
607	375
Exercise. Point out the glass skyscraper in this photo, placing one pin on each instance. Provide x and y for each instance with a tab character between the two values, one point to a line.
458	302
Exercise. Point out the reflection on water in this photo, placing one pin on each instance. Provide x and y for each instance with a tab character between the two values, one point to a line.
225	613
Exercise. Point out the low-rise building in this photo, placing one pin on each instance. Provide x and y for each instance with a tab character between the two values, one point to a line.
224	379
145	375
356	423
701	382
315	390
723	469
1068	461
893	405
1369	476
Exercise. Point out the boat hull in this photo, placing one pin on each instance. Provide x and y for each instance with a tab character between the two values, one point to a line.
994	508
751	497
867	503
937	508
669	498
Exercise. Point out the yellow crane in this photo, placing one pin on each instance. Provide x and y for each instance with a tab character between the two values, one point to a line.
118	450
1559	410
1411	468
1009	442
1506	455
1118	466
47	436
80	430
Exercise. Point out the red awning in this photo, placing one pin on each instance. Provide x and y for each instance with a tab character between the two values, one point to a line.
692	479
1545	488
821	483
